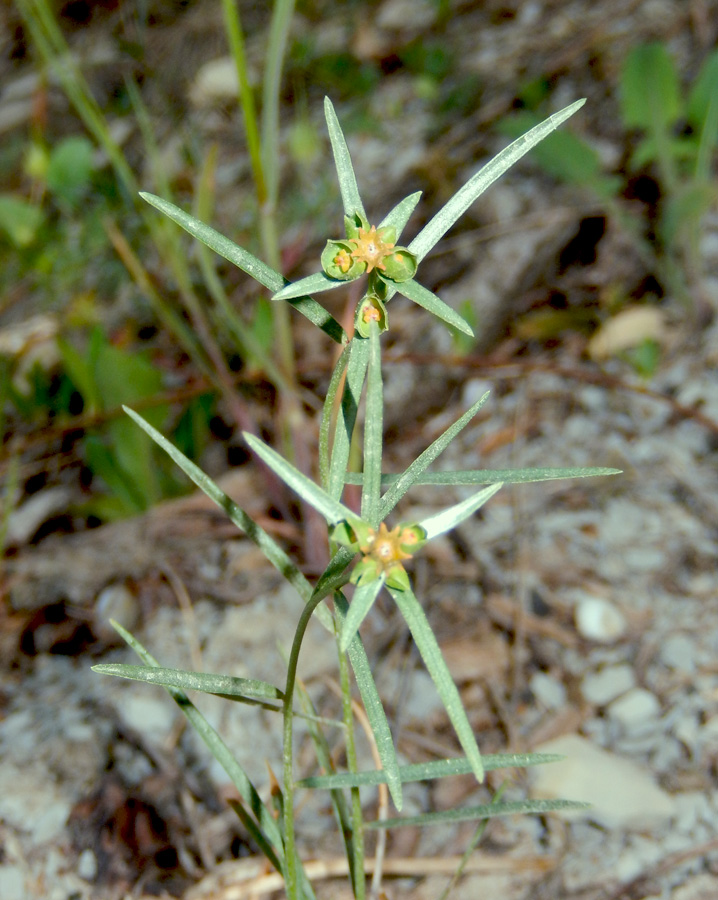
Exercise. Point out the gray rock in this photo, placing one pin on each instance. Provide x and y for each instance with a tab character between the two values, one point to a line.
608	684
678	652
636	710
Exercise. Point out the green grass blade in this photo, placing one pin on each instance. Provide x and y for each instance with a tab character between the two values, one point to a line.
437	227
255	833
312	284
429	771
488	476
485	811
207	683
346	420
328	411
422	296
428	647
373	433
282	12
455	515
372	705
218	749
400	215
362	602
342	161
412	474
332	510
271	550
247	262
334	576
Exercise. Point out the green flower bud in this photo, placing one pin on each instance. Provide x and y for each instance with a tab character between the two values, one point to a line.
371	309
397	578
400	265
338	262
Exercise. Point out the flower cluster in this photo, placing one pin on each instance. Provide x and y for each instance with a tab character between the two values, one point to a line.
383	551
366	250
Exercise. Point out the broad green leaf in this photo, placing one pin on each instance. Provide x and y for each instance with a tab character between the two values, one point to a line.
372	704
430	771
312	284
224	685
437	227
248	263
650	90
271	550
428	647
373	433
218	749
433	304
362	602
485	811
455	515
400	215
69	172
20	220
342	161
487	476
412	474
332	510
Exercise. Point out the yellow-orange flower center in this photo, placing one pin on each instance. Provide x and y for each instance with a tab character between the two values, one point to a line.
371	249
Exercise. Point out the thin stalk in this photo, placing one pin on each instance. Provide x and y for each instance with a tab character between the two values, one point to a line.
356	863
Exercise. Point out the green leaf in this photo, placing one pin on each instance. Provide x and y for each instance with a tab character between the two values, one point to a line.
487	476
373	433
342	161
218	749
433	304
413	473
20	220
703	93
69	172
429	771
312	284
485	811
437	227
400	215
362	602
650	90
332	510
372	705
248	263
271	550
455	515
346	419
428	647
328	408
224	685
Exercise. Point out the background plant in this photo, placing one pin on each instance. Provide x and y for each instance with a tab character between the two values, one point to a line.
389	267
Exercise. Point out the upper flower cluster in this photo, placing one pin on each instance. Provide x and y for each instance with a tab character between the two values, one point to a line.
366	250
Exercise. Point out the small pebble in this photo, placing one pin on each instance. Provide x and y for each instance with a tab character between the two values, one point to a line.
635	709
599	620
601	687
548	690
12	883
678	652
87	865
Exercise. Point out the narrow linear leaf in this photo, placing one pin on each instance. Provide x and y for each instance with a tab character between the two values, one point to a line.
312	284
488	476
328	413
434	661
411	475
400	215
255	833
346	419
271	550
342	161
362	602
429	771
486	811
332	510
455	515
333	576
437	227
248	263
422	296
225	685
373	433
218	749
372	705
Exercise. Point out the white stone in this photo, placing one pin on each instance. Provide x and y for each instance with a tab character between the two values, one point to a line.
12	883
599	620
622	795
678	652
635	709
608	684
146	710
87	865
548	690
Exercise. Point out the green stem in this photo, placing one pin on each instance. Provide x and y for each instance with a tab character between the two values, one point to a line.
356	863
